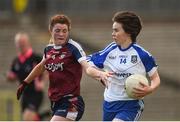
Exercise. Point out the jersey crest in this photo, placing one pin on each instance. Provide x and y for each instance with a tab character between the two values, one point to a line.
134	59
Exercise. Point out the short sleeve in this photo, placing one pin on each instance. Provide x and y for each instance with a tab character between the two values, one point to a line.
147	60
77	50
99	58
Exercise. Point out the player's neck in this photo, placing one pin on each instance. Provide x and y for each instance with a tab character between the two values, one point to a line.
27	51
126	44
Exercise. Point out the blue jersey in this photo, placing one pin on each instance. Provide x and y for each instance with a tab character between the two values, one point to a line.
123	62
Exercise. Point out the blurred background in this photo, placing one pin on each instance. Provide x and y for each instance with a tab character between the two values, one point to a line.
91	27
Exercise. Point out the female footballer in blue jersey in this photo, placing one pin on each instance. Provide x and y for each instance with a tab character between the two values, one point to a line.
125	57
64	61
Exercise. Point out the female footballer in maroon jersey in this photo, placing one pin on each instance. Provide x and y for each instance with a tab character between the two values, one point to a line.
64	61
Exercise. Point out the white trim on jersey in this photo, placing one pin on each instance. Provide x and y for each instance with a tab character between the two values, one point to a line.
50	45
107	48
75	44
57	47
81	51
78	47
82	59
153	70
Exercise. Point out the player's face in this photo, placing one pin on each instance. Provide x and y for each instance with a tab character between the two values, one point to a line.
60	34
118	34
22	44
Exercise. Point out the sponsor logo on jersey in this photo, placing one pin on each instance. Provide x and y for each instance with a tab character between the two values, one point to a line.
62	56
53	57
53	67
123	75
123	56
112	57
134	59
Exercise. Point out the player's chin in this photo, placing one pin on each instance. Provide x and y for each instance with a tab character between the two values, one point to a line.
114	39
60	42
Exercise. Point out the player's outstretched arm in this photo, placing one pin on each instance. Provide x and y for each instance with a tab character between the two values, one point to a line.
37	70
95	73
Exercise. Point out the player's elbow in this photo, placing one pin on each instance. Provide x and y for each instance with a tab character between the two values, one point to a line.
87	70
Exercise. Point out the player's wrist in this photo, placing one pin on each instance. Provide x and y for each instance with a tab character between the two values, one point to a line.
25	83
152	87
100	75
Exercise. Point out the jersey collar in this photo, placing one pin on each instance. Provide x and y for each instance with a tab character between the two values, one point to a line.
124	49
24	57
57	47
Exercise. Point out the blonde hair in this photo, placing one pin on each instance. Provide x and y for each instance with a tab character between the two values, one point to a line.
51	41
19	35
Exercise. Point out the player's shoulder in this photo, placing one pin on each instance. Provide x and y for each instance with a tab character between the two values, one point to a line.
141	50
109	48
48	47
74	46
144	55
73	43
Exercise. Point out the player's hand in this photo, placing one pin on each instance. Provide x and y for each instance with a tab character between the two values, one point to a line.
104	78
21	89
142	91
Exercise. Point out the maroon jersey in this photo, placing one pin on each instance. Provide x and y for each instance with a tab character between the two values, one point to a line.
64	69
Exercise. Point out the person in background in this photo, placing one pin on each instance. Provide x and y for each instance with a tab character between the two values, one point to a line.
64	60
124	57
22	65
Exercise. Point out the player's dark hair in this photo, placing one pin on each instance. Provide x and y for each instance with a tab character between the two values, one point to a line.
131	23
62	19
